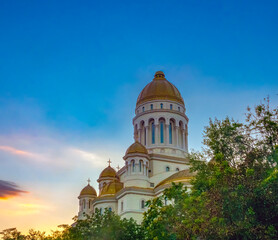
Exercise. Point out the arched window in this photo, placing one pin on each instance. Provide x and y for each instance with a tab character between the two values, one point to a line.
177	169
143	204
145	135
167	169
133	165
110	209
171	106
143	109
162	132
140	165
89	204
153	133
122	206
84	204
161	105
171	133
165	201
179	109
100	210
151	106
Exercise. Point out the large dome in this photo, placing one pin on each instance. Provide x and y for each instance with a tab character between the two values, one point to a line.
159	89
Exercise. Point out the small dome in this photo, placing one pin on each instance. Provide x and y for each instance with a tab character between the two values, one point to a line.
111	188
159	89
108	172
136	148
88	190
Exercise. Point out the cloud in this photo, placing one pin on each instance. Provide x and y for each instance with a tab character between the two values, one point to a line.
9	189
15	151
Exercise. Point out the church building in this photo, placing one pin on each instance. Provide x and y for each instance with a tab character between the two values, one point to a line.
157	157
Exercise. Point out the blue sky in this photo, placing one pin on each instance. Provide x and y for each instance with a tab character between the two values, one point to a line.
71	71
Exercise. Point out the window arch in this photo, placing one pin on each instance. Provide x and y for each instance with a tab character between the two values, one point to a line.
171	133
122	206
177	169
151	106
143	109
110	209
171	106
84	204
167	169
142	204
133	165
161	105
140	165
100	210
153	133
161	131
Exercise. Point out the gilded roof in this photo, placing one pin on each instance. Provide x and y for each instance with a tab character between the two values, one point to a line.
159	89
88	190
183	175
136	148
111	188
108	172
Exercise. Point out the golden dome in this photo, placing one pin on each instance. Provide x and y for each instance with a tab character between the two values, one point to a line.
88	190
136	148
159	89
111	188
180	176
108	172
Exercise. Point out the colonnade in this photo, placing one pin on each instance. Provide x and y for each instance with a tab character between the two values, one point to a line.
137	166
160	132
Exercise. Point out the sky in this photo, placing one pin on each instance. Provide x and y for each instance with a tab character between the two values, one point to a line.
71	71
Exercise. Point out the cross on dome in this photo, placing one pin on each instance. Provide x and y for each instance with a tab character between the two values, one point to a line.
118	167
109	162
89	180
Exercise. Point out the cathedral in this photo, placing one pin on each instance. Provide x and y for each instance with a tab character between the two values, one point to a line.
157	157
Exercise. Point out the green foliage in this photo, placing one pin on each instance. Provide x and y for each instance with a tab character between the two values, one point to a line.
107	226
234	194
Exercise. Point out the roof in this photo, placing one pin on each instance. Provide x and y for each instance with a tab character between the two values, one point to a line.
108	172
180	176
111	188
159	89
88	190
136	148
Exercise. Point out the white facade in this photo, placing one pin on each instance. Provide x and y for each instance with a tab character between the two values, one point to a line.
159	153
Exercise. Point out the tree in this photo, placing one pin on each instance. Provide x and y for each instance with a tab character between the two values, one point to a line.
235	190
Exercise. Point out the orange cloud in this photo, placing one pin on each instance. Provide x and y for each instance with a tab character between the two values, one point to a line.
16	151
9	189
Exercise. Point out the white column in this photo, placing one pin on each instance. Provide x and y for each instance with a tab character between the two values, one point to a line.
167	135
183	138
177	136
186	139
147	136
139	135
156	134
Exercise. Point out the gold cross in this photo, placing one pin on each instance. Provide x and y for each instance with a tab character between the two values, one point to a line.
118	167
89	180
